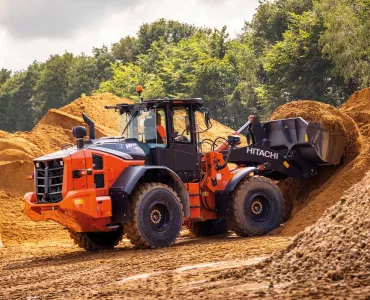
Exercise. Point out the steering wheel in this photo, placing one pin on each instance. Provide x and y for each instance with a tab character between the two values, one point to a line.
181	138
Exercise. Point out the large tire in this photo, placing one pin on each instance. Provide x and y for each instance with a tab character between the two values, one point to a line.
92	241
156	216
209	227
257	207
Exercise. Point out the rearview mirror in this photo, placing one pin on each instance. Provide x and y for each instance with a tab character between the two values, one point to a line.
207	119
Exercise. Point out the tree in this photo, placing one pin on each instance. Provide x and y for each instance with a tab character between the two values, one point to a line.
244	99
52	87
16	112
177	64
296	68
126	78
272	19
170	31
4	75
126	49
346	38
83	77
104	60
215	81
219	43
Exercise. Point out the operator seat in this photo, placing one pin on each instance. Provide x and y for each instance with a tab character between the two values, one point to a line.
150	131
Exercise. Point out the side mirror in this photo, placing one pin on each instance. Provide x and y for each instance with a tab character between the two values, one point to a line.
207	119
187	122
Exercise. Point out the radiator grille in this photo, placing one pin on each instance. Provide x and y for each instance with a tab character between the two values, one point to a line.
49	180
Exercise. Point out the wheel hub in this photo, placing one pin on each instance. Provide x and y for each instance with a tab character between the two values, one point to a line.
155	216
257	207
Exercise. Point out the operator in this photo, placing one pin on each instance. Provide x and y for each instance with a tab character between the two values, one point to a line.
161	132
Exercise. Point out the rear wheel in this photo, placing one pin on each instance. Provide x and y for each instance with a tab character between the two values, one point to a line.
257	208
209	227
92	241
156	216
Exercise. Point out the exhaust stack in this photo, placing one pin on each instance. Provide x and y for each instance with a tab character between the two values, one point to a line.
91	124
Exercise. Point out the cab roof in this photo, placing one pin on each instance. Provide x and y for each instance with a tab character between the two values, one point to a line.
161	103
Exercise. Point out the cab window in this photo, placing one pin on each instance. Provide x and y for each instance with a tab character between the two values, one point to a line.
145	126
181	125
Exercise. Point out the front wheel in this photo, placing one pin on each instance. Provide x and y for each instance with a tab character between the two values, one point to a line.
156	216
92	241
257	207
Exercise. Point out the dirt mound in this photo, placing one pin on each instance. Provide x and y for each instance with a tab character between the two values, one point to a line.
358	108
16	227
93	106
311	197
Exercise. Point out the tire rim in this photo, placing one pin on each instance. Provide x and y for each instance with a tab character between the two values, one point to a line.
159	216
259	207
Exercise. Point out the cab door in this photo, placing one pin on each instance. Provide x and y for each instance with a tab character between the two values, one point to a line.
187	158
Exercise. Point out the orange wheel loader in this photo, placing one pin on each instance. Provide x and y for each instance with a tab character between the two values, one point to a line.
153	178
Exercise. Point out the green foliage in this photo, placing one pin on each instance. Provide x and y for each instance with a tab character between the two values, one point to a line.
346	38
219	43
126	49
168	31
296	67
292	49
16	111
127	77
4	75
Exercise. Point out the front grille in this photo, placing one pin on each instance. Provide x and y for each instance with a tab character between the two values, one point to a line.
49	180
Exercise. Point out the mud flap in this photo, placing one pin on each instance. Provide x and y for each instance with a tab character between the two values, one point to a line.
223	204
120	206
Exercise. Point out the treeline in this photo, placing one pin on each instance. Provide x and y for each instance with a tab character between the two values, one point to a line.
292	49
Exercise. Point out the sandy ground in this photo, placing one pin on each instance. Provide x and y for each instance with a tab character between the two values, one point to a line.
59	269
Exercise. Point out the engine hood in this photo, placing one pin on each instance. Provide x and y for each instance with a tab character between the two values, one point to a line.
115	146
57	154
120	147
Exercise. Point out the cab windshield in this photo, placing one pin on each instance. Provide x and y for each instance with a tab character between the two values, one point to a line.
147	126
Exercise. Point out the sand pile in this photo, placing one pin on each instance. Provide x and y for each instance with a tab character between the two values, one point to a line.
331	258
16	227
311	197
358	108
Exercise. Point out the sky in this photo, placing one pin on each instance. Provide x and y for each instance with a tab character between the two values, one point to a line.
34	29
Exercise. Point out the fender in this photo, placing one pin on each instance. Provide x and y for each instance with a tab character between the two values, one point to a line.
238	177
126	182
223	199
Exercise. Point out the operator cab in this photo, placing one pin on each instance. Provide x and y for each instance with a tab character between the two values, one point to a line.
166	131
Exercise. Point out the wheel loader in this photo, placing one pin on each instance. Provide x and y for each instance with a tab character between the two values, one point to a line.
154	178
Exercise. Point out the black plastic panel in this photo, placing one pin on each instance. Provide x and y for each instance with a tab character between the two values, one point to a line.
120	207
223	204
97	162
99	181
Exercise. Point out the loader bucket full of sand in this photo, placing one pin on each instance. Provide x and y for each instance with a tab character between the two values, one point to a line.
312	140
